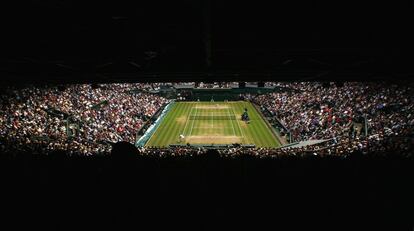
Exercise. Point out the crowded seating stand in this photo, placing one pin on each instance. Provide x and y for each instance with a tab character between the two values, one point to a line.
85	119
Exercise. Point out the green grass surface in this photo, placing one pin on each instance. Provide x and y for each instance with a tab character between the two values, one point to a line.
211	123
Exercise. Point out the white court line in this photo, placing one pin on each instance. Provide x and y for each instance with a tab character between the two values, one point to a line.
215	114
192	125
212	120
231	121
237	121
208	127
186	122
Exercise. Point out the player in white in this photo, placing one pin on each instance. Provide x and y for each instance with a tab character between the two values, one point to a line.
182	137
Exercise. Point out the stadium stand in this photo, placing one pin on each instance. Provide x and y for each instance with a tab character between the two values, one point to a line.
363	117
25	124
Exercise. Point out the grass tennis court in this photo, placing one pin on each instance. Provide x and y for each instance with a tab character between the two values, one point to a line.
213	123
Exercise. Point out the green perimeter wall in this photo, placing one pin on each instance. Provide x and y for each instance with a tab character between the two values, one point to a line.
223	94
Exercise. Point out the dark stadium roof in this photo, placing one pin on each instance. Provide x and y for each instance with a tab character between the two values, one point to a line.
66	40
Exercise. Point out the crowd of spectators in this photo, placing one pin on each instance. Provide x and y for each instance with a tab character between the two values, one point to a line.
217	85
346	147
37	118
87	119
359	116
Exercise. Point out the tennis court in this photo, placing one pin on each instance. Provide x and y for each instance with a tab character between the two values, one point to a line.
213	123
